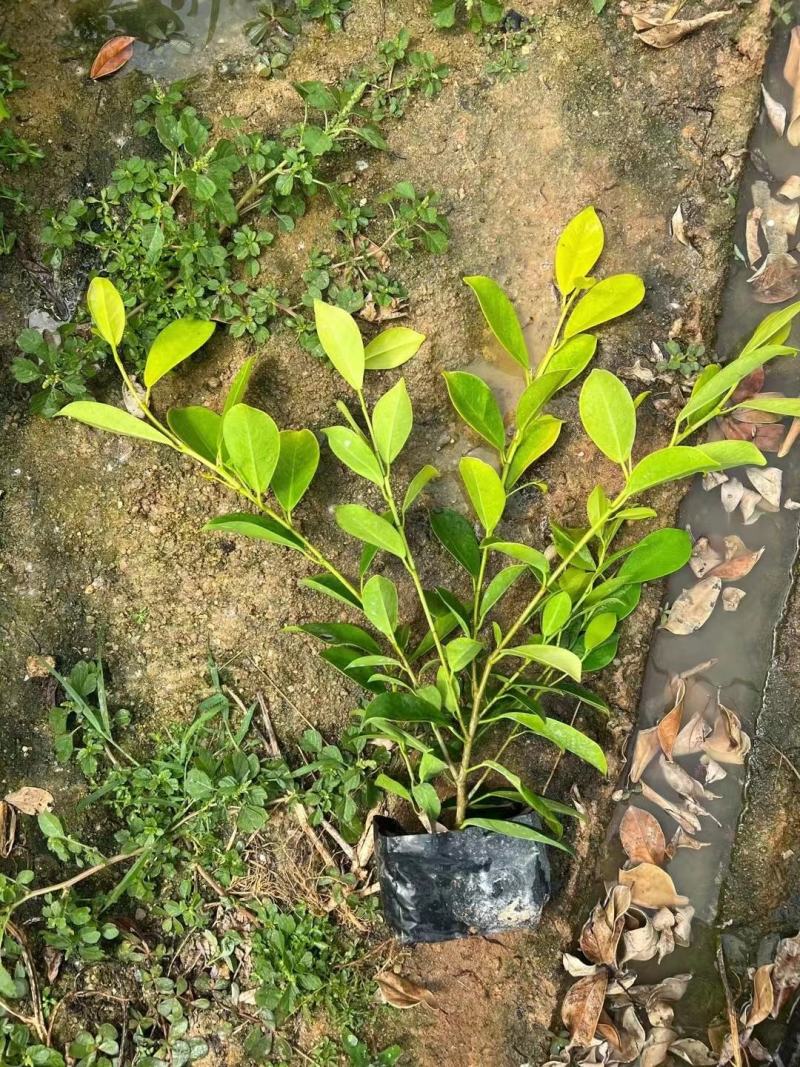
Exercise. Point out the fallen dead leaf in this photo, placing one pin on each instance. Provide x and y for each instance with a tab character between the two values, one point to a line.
641	837
39	666
577	967
749	506
602	930
693	1051
656	1047
739	560
763	996
704	556
767	481
8	829
640	943
714	773
789	440
629	1035
693	607
712	479
400	992
656	28
683	919
677	227
791	187
791	72
777	280
582	1006
644	749
775	112
731	494
30	800
732	598
728	742
669	727
114	54
651	887
749	386
692	736
786	971
684	818
682	782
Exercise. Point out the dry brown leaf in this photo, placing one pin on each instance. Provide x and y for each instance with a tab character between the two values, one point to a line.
731	494
768	482
714	773
704	556
770	438
39	666
677	227
644	749
684	818
53	958
738	562
728	742
775	112
777	280
30	800
656	1047
582	1006
670	32
711	479
749	506
752	237
693	607
682	839
631	1035
670	725
114	54
682	782
651	887
791	188
786	971
641	943
692	736
693	1051
749	386
732	598
400	992
778	219
791	72
683	925
576	967
602	930
763	996
641	837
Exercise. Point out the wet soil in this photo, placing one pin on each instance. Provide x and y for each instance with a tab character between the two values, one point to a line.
100	537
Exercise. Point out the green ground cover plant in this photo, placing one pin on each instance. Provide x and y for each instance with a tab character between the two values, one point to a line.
186	229
208	957
478	14
457	683
15	151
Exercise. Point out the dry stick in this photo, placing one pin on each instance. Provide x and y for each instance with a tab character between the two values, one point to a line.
784	758
733	1021
561	752
36	997
223	895
272	737
69	882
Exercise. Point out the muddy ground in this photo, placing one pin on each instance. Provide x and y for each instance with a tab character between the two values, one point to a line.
100	537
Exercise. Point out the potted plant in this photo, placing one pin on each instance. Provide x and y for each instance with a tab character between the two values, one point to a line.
455	685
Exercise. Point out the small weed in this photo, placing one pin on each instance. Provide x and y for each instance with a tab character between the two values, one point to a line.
478	14
686	362
783	11
506	44
15	151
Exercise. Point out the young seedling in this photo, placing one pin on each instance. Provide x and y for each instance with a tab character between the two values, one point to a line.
455	685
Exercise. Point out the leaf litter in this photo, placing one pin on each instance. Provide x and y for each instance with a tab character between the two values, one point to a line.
114	54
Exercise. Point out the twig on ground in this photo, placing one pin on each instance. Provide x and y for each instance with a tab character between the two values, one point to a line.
733	1022
224	895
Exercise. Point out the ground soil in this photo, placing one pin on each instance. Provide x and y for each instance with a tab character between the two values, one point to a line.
101	538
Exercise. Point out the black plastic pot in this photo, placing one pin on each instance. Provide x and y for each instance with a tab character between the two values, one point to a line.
438	887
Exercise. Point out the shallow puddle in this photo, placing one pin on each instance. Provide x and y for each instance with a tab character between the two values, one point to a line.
733	648
174	39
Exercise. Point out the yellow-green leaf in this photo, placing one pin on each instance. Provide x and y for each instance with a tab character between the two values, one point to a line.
578	249
107	310
115	420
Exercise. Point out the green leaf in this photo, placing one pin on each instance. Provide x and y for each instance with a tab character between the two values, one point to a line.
728	378
198	428
668	465
391	785
461	651
8	987
485	490
259	527
475	403
537	803
572	357
50	824
107	310
783	405
500	315
556	613
608	415
404	707
599	629
427	800
333	587
344	633
560	659
515	829
499	586
253	443
455	532
343	659
115	420
535	559
656	555
351	448
238	387
538	438
175	343
443	13
565	736
607	300
773	329
340	338
392	348
733	453
392	419
417	484
430	767
379	598
365	525
297	464
536	396
578	249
